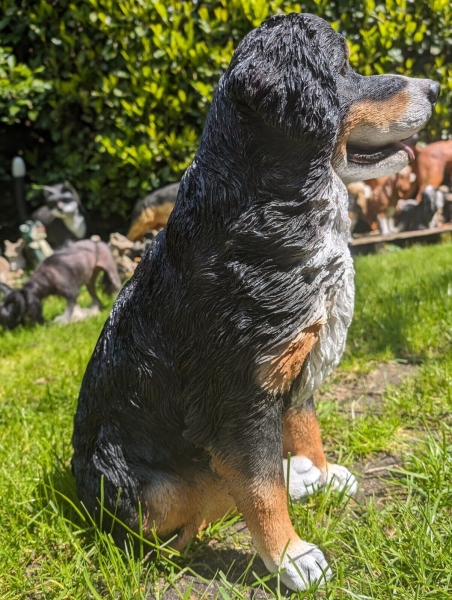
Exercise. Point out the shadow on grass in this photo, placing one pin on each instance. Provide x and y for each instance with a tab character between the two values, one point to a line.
211	563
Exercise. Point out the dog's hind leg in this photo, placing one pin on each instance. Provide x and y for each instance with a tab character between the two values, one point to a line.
178	506
249	458
68	315
96	304
307	468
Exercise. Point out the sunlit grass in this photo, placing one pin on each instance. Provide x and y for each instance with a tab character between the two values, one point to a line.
398	547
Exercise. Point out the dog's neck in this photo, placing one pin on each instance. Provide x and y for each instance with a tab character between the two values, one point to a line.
255	177
268	238
263	162
37	285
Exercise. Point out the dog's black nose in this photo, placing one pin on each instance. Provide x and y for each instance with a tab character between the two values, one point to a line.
433	92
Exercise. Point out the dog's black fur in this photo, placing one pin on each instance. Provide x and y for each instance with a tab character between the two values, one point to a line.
174	382
416	216
61	274
220	289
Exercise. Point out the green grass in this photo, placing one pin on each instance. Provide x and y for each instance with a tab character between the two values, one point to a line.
395	545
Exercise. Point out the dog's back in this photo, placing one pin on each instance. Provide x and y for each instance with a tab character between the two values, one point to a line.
74	266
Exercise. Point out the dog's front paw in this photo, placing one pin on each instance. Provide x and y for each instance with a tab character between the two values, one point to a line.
304	564
340	478
303	477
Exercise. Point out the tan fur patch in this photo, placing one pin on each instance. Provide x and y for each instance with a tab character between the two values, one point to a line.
177	506
302	436
378	114
150	218
264	507
278	374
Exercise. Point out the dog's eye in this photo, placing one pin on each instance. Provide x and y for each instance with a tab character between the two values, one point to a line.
343	70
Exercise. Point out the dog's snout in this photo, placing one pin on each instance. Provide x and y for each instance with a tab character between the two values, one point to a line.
433	92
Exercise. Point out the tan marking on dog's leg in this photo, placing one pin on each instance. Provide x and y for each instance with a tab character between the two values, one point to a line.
309	469
301	436
433	175
278	374
182	506
264	507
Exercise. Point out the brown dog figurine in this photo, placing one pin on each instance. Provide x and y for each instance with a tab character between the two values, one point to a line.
433	165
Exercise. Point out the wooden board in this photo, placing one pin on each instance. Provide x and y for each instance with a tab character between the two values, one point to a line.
370	238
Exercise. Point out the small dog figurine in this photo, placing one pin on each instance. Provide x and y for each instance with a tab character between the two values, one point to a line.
434	165
6	275
63	214
61	274
416	216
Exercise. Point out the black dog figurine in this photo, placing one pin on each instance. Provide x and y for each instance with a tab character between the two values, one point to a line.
61	274
416	216
202	379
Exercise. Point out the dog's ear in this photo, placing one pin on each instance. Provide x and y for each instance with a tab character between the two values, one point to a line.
49	191
68	186
282	72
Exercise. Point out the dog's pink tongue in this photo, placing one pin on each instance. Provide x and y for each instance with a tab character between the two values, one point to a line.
407	149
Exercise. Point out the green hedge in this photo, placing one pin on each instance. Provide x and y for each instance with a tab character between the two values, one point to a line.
115	92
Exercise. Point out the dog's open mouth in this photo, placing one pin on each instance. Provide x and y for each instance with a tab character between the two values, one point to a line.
371	156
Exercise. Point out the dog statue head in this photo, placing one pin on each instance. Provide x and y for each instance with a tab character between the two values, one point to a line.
293	73
62	198
64	203
17	306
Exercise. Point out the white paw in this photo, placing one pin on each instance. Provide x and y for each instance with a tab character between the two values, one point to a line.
303	477
61	319
78	314
304	564
91	311
340	478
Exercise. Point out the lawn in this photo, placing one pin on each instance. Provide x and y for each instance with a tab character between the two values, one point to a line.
386	414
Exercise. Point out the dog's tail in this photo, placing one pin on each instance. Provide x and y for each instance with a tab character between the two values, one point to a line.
110	280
